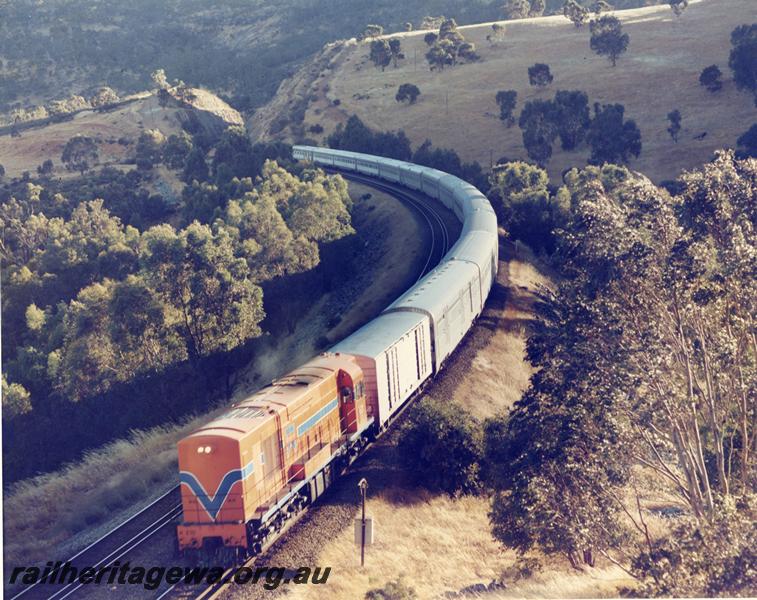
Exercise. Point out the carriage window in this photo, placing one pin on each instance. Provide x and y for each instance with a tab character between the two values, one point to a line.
346	394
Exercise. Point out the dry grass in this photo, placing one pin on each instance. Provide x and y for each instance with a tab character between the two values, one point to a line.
498	373
71	506
659	73
437	543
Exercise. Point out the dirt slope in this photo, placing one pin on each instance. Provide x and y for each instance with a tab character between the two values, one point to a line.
659	73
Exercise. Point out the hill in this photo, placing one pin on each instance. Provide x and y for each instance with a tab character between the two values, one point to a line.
115	129
457	108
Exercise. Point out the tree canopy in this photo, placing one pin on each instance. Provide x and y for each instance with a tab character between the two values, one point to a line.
607	38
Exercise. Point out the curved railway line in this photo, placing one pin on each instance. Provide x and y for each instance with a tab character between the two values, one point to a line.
122	540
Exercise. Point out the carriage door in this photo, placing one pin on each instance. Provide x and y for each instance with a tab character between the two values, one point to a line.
347	412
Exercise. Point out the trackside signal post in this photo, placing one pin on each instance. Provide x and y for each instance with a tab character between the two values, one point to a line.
363	525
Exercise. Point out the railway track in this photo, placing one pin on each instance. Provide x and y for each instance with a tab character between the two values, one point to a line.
122	540
440	243
112	546
429	210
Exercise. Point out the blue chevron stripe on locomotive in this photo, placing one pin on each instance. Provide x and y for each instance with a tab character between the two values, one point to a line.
212	504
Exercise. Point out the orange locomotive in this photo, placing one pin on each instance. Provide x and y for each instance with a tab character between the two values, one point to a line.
244	474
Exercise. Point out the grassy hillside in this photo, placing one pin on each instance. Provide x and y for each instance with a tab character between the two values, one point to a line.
241	48
457	108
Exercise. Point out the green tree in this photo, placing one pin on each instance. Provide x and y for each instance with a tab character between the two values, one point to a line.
674	117
373	31
526	209
642	359
430	38
395	51
516	9
430	22
46	167
710	78
497	34
575	13
678	6
600	6
80	153
537	8
381	53
16	399
747	142
701	558
506	100
195	167
197	276
572	117
539	75
177	149
159	79
409	92
442	53
104	96
441	445
538	123
149	149
610	137
607	38
742	58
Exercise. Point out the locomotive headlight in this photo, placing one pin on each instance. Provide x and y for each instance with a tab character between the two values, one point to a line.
208	449
200	449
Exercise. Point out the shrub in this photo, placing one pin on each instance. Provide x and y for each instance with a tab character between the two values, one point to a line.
392	590
409	92
442	445
539	75
710	78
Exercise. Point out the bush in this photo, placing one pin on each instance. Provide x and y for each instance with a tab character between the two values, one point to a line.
539	75
704	559
442	445
409	92
393	590
710	78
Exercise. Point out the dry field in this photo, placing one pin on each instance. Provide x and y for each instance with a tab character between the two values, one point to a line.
659	73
